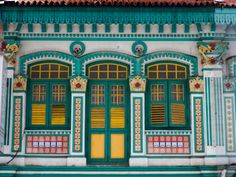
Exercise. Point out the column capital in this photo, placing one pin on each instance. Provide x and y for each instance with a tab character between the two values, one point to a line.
20	83
212	52
196	84
10	50
137	83
78	83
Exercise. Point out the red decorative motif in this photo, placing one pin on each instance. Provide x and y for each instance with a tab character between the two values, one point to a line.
228	85
47	144
213	61
137	84
78	85
197	85
168	145
18	84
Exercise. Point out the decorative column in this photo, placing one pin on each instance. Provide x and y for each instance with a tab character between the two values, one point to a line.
78	96
196	86
18	115
212	60
137	123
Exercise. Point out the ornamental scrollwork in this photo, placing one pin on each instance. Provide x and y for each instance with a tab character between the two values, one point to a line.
137	83
20	83
78	84
213	52
196	84
10	50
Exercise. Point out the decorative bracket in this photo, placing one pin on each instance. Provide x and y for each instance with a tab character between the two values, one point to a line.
137	83
20	83
196	84
212	52
78	83
10	50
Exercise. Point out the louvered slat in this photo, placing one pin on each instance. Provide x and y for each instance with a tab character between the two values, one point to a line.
58	114
158	114
178	114
97	118
38	114
117	118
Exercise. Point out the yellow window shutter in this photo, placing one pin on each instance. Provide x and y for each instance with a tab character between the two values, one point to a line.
38	114
97	118
58	114
158	114
117	118
178	114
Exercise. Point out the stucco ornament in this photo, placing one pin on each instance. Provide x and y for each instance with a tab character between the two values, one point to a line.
137	83
196	84
20	83
10	51
229	84
78	84
77	48
139	48
212	52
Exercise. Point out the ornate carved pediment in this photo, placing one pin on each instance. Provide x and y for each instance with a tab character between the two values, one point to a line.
137	83
212	52
20	83
196	84
78	84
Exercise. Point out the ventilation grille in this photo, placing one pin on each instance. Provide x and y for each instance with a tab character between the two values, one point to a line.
58	114
178	114
158	114
117	118
97	118
38	114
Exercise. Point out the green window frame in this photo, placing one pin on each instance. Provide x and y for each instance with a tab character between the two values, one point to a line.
167	97
48	96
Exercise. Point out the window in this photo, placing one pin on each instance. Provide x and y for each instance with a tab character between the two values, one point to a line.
48	96
167	85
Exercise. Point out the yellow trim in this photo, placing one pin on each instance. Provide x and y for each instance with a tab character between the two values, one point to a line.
107	71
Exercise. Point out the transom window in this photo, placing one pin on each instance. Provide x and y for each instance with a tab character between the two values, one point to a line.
49	99
167	84
49	71
108	71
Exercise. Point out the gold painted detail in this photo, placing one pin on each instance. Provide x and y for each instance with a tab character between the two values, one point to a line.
97	117
196	84
198	114
137	125
10	51
137	83
78	84
117	118
19	83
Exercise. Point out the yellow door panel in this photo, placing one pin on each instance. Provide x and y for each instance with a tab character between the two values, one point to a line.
97	117
38	114
117	118
117	146
97	146
58	114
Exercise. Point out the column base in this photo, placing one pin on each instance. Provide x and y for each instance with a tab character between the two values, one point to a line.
137	161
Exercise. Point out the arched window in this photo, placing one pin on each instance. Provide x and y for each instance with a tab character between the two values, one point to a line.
167	101
48	96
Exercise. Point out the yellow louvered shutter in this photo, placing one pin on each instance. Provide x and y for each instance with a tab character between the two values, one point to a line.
117	118
97	117
158	114
38	114
58	114
178	114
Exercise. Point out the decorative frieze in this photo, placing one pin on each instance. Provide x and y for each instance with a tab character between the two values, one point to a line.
137	124
168	144
196	84
47	144
78	84
137	83
17	126
212	52
20	83
229	123
78	124
198	124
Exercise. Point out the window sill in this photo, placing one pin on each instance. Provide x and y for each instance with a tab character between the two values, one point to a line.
168	132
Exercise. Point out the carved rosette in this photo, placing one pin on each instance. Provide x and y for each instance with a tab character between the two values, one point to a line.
20	83
196	84
212	52
10	51
137	83
78	84
229	84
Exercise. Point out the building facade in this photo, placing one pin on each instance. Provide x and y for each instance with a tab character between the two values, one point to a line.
146	85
